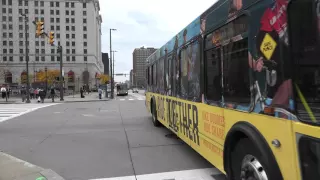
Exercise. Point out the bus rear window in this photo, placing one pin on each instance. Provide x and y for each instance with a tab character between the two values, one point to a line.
304	40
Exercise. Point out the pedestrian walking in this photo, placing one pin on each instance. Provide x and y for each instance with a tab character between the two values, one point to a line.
52	94
100	92
42	95
3	92
31	93
23	93
81	92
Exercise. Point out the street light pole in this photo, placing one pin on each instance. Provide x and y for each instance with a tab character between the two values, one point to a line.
112	88
46	70
113	63
27	57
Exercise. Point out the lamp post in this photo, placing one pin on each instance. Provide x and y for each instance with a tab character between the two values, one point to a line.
46	70
113	63
27	57
112	88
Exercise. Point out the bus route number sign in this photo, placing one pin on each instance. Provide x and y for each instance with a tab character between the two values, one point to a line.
268	46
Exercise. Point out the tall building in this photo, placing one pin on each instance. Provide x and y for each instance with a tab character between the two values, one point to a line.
77	27
139	65
105	61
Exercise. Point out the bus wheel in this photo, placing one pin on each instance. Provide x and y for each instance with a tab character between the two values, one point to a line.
155	121
248	163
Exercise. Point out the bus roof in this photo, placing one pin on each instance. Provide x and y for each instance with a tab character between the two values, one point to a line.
221	9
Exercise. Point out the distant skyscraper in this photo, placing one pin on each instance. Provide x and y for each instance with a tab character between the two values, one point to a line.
131	78
139	65
77	26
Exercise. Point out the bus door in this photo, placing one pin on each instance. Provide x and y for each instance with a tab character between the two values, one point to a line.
304	33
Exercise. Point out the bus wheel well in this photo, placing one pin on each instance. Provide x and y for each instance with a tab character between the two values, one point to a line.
243	130
151	104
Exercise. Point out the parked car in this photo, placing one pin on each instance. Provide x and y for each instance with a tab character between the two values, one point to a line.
135	90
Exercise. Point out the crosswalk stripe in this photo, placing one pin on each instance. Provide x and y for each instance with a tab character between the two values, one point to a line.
11	111
195	174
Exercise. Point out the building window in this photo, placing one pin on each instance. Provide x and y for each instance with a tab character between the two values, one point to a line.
52	20
73	58
51	11
72	4
41	3
21	58
36	3
42	43
43	58
37	51
20	19
73	51
57	12
37	58
85	44
67	4
11	51
26	11
58	28
52	58
4	26
4	10
20	43
51	4
36	11
84	5
41	11
57	4
58	20
73	43
21	35
84	13
67	28
84	21
84	28
58	35
67	12
10	18
67	20
73	36
85	58
42	19
20	3
43	51
73	28
26	3
20	27
10	10
52	51
4	43
52	28
37	43
85	51
72	13
84	36
73	20
4	58
4	2
21	51
67	43
4	35
4	18
10	43
10	26
10	58
67	36
68	58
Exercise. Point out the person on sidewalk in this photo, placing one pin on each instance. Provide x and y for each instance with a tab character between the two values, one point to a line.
52	94
23	93
81	92
100	92
3	92
42	95
31	91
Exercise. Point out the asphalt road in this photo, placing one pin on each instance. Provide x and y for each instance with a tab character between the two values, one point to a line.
82	141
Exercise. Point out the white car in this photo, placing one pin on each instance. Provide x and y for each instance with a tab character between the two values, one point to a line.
135	90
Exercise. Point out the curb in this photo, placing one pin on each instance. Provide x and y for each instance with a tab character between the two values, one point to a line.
12	102
22	170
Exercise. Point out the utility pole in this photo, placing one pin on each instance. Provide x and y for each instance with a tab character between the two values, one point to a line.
61	75
26	53
112	87
113	63
46	71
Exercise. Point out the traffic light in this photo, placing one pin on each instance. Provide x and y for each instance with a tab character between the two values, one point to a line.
51	38
40	28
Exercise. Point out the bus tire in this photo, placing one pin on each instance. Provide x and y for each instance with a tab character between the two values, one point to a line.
155	121
247	162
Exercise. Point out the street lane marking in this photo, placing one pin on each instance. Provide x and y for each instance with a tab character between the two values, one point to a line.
10	111
122	99
131	99
195	174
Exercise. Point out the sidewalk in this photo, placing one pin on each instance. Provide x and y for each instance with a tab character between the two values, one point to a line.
92	97
12	168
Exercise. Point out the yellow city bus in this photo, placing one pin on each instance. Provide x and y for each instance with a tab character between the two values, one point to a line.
240	85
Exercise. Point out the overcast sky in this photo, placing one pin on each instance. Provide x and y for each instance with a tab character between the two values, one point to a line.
149	23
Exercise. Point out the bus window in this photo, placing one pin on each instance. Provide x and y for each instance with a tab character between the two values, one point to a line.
304	40
213	76
236	81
